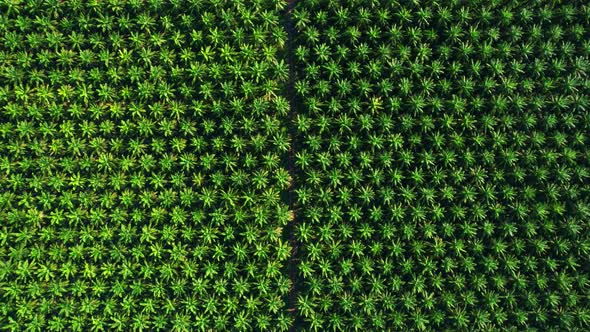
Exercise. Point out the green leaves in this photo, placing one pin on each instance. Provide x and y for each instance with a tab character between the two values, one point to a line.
439	165
140	155
438	113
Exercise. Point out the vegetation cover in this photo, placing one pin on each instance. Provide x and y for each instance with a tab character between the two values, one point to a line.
143	147
436	152
442	165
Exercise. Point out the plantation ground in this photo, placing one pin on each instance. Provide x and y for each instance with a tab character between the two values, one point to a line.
303	165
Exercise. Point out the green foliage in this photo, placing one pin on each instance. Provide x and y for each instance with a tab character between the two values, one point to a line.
432	174
143	150
442	165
